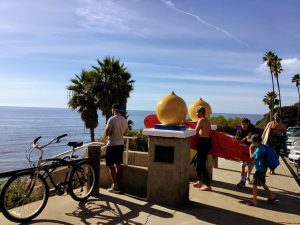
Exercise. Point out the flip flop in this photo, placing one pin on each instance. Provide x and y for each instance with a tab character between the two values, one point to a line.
251	203
206	188
197	185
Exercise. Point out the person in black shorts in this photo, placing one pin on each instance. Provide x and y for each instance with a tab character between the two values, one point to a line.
243	134
203	129
274	135
116	127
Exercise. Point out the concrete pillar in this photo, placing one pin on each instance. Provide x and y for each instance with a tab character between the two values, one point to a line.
94	154
168	166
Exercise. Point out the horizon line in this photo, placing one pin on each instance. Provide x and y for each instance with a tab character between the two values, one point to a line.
145	110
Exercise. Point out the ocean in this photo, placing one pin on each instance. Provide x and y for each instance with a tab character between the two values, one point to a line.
20	125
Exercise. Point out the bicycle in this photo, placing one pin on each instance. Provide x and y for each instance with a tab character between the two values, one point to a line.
25	194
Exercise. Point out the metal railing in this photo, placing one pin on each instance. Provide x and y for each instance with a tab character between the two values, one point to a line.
99	144
127	142
128	138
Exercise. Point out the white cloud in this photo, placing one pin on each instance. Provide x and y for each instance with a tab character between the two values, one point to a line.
171	5
105	15
241	78
288	65
262	68
291	65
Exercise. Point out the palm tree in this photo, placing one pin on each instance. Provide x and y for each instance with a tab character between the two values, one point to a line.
130	122
82	98
113	84
271	100
276	70
296	80
269	58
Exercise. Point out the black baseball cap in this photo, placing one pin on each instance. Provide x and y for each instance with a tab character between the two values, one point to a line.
117	107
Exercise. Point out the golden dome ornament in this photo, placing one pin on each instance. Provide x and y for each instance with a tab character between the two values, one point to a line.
171	109
193	107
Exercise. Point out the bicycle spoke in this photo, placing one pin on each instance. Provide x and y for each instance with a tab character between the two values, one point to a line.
24	197
82	181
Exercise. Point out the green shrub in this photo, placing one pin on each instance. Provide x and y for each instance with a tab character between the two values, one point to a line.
140	143
289	117
18	189
1	185
225	125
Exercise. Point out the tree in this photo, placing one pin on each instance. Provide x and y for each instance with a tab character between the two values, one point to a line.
268	58
289	114
271	100
130	122
276	70
296	80
113	84
83	99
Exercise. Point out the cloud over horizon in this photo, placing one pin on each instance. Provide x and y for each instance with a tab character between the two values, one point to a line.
196	48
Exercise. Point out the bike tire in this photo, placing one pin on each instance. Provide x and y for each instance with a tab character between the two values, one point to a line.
24	197
82	181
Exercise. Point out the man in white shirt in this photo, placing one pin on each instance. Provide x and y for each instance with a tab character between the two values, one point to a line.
116	128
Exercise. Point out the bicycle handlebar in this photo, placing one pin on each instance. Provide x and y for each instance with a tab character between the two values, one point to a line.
61	136
36	140
57	139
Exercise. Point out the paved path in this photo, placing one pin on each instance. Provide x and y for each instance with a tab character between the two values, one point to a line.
224	205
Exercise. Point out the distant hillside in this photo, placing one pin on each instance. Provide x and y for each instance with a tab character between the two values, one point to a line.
289	116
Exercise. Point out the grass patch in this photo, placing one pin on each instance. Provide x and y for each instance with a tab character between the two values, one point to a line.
18	189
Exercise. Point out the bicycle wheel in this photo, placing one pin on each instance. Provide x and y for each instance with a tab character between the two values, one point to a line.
24	197
82	181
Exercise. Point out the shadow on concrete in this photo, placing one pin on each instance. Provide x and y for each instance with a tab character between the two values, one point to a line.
237	171
221	216
292	171
225	169
289	201
297	195
45	222
232	187
110	210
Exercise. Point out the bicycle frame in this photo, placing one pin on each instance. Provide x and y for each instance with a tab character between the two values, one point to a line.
26	192
46	172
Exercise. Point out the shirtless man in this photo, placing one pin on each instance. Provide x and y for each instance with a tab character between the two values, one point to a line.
276	138
203	129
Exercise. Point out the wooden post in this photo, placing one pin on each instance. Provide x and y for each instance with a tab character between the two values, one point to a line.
94	154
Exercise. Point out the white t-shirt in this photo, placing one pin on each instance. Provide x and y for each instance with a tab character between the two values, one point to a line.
118	126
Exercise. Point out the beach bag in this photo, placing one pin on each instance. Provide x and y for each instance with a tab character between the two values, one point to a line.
271	157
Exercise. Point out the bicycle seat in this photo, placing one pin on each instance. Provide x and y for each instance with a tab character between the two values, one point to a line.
75	144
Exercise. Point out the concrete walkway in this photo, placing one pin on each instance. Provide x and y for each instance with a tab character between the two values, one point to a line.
224	205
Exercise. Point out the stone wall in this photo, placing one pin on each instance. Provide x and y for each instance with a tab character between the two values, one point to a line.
134	175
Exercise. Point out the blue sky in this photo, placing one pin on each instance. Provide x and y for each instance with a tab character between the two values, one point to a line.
196	48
